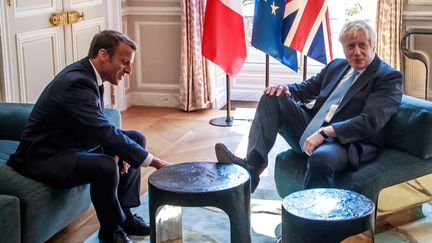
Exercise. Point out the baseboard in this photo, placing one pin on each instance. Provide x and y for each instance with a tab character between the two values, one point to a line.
152	99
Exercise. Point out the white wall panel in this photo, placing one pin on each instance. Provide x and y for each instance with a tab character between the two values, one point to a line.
34	72
82	34
26	8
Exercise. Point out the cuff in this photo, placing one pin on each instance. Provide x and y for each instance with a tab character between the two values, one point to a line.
147	160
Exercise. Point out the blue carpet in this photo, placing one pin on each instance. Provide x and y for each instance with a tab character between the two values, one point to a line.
211	225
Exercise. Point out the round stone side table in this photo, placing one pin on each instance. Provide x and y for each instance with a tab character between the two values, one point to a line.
326	215
199	184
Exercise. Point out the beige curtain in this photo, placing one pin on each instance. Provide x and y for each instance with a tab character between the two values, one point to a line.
195	83
389	31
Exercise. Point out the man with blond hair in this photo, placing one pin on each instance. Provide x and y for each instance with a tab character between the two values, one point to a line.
335	119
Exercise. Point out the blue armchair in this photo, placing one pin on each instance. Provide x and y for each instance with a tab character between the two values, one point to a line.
31	211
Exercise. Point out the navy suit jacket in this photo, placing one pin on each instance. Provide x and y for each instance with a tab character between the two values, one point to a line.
363	112
69	115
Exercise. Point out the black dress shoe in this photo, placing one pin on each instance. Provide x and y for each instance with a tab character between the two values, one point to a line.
136	226
118	236
225	156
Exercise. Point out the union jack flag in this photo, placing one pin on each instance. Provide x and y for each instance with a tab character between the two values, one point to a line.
307	28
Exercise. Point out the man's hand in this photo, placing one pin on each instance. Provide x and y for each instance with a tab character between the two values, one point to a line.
312	142
158	163
125	167
277	90
316	139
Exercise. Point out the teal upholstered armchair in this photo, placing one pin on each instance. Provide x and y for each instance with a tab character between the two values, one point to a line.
406	156
31	211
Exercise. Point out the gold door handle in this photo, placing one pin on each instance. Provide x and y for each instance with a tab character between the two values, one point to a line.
74	17
64	18
59	19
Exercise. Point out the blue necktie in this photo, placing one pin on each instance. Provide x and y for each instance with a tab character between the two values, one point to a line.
335	97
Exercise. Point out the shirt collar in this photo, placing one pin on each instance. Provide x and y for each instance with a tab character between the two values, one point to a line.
98	77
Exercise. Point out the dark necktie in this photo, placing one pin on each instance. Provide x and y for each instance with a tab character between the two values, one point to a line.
101	95
334	98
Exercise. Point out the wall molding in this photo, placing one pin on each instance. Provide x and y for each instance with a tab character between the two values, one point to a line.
115	17
9	93
138	58
155	11
35	10
419	2
84	25
417	15
159	86
87	4
28	37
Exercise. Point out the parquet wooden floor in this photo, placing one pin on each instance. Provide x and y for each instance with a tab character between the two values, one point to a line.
175	136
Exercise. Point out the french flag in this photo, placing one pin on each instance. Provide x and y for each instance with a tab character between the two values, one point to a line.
307	29
224	38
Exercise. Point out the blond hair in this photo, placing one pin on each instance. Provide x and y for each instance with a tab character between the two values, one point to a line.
353	27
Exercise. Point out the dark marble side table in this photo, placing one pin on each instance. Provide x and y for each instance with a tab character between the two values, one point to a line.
198	184
326	215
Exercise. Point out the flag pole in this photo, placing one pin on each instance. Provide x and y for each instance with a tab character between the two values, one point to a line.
304	67
227	121
267	71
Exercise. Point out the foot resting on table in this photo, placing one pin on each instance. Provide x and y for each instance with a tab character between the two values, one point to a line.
224	155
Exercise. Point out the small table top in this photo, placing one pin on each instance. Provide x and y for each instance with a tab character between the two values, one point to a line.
199	177
328	204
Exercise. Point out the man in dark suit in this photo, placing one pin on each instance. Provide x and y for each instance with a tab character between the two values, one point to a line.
68	141
335	127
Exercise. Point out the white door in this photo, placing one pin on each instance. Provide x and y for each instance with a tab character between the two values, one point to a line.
34	50
79	35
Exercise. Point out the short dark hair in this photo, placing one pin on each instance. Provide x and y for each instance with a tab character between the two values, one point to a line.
109	40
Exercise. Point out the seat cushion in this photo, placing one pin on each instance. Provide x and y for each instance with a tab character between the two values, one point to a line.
7	147
13	117
10	224
44	210
410	130
391	167
114	117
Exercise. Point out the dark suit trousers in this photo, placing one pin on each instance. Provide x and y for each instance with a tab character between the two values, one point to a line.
281	114
110	191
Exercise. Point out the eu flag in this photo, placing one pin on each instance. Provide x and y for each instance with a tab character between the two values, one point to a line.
267	32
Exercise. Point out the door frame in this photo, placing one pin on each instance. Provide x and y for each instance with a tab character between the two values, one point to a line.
7	94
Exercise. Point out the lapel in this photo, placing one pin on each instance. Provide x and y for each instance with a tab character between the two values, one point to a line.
361	81
332	83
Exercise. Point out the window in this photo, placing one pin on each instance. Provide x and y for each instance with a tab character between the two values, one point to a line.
340	11
250	81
